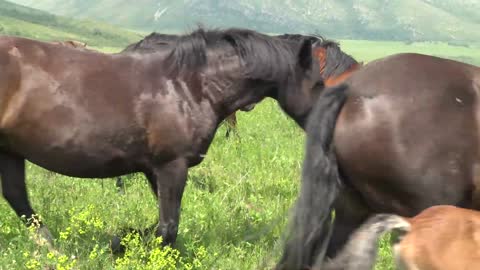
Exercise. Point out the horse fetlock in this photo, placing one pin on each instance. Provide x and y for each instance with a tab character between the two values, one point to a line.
42	236
168	232
116	245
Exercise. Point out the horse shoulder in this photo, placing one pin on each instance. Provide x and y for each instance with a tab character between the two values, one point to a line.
9	78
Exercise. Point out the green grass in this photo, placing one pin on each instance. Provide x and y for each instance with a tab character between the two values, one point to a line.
235	204
234	210
364	50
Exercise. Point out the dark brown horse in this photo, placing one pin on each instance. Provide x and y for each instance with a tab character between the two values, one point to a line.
399	136
157	41
92	115
334	65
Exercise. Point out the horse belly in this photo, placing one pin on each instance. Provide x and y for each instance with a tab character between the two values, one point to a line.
75	150
83	164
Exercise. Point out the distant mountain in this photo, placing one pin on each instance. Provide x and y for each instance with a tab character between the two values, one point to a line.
27	22
410	20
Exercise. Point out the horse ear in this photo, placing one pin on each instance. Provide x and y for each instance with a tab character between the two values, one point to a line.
305	55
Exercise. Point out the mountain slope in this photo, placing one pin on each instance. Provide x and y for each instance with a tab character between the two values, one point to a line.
414	20
27	22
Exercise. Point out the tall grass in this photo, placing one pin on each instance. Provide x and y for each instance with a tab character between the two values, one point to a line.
235	207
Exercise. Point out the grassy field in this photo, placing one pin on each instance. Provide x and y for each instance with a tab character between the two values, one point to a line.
22	21
364	50
371	19
234	209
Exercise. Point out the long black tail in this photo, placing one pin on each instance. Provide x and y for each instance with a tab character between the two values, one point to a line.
311	226
360	252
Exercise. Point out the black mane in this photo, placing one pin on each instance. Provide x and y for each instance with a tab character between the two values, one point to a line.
262	56
299	37
152	42
337	61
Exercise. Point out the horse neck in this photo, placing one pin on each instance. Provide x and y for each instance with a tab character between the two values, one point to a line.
335	65
228	89
229	94
220	85
337	79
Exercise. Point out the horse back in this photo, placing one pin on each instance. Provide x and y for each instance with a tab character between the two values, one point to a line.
57	100
35	74
413	74
104	73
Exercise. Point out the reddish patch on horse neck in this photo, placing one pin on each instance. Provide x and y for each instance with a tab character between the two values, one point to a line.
332	81
321	55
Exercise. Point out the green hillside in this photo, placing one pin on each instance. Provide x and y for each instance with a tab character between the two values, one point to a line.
411	20
27	22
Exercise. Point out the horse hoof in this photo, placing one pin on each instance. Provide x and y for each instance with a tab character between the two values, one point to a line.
42	237
116	245
44	233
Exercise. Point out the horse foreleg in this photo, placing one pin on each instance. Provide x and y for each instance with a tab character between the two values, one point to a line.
12	171
169	181
120	185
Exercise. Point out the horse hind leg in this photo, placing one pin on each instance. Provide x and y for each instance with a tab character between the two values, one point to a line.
231	122
120	185
350	213
12	171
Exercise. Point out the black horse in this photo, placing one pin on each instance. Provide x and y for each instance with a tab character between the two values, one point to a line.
108	115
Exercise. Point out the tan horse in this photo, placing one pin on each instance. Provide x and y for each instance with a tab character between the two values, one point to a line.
439	238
